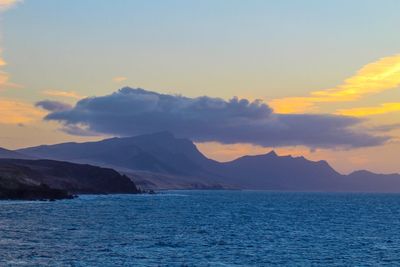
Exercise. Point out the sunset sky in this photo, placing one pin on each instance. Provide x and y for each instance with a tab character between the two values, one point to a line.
319	78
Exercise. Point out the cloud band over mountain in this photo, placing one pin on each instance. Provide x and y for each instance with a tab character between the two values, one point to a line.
130	112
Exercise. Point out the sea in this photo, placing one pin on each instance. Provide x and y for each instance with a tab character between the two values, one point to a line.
203	228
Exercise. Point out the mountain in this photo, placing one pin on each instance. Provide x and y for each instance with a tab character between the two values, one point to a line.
287	173
9	154
273	172
162	161
366	181
36	179
155	161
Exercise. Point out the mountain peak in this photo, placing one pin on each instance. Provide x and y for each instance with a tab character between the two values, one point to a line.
272	153
156	137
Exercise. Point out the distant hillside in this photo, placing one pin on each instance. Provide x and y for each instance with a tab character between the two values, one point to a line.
273	172
42	178
287	173
9	154
161	161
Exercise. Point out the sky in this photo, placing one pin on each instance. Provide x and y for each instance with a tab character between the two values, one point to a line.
303	77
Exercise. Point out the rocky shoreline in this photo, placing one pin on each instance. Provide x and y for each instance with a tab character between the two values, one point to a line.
29	192
56	180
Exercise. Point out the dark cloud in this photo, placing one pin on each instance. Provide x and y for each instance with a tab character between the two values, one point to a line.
136	111
53	106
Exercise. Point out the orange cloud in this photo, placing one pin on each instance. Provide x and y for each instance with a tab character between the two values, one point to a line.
119	79
5	82
6	4
368	111
17	112
68	94
4	77
2	62
373	78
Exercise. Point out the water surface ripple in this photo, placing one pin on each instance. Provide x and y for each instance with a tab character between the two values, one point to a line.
203	228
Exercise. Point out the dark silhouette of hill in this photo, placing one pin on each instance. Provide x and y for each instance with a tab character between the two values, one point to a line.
270	171
44	179
161	160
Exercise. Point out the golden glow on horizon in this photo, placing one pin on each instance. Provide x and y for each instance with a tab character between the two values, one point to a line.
222	152
373	78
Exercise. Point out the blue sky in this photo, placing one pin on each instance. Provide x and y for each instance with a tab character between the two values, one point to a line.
268	48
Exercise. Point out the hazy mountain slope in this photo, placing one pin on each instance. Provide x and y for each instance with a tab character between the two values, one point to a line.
159	181
365	181
9	154
159	152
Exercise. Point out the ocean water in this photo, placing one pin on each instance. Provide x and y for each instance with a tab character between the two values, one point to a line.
203	228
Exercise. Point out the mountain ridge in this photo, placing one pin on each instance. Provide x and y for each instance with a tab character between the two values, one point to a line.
183	166
10	154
